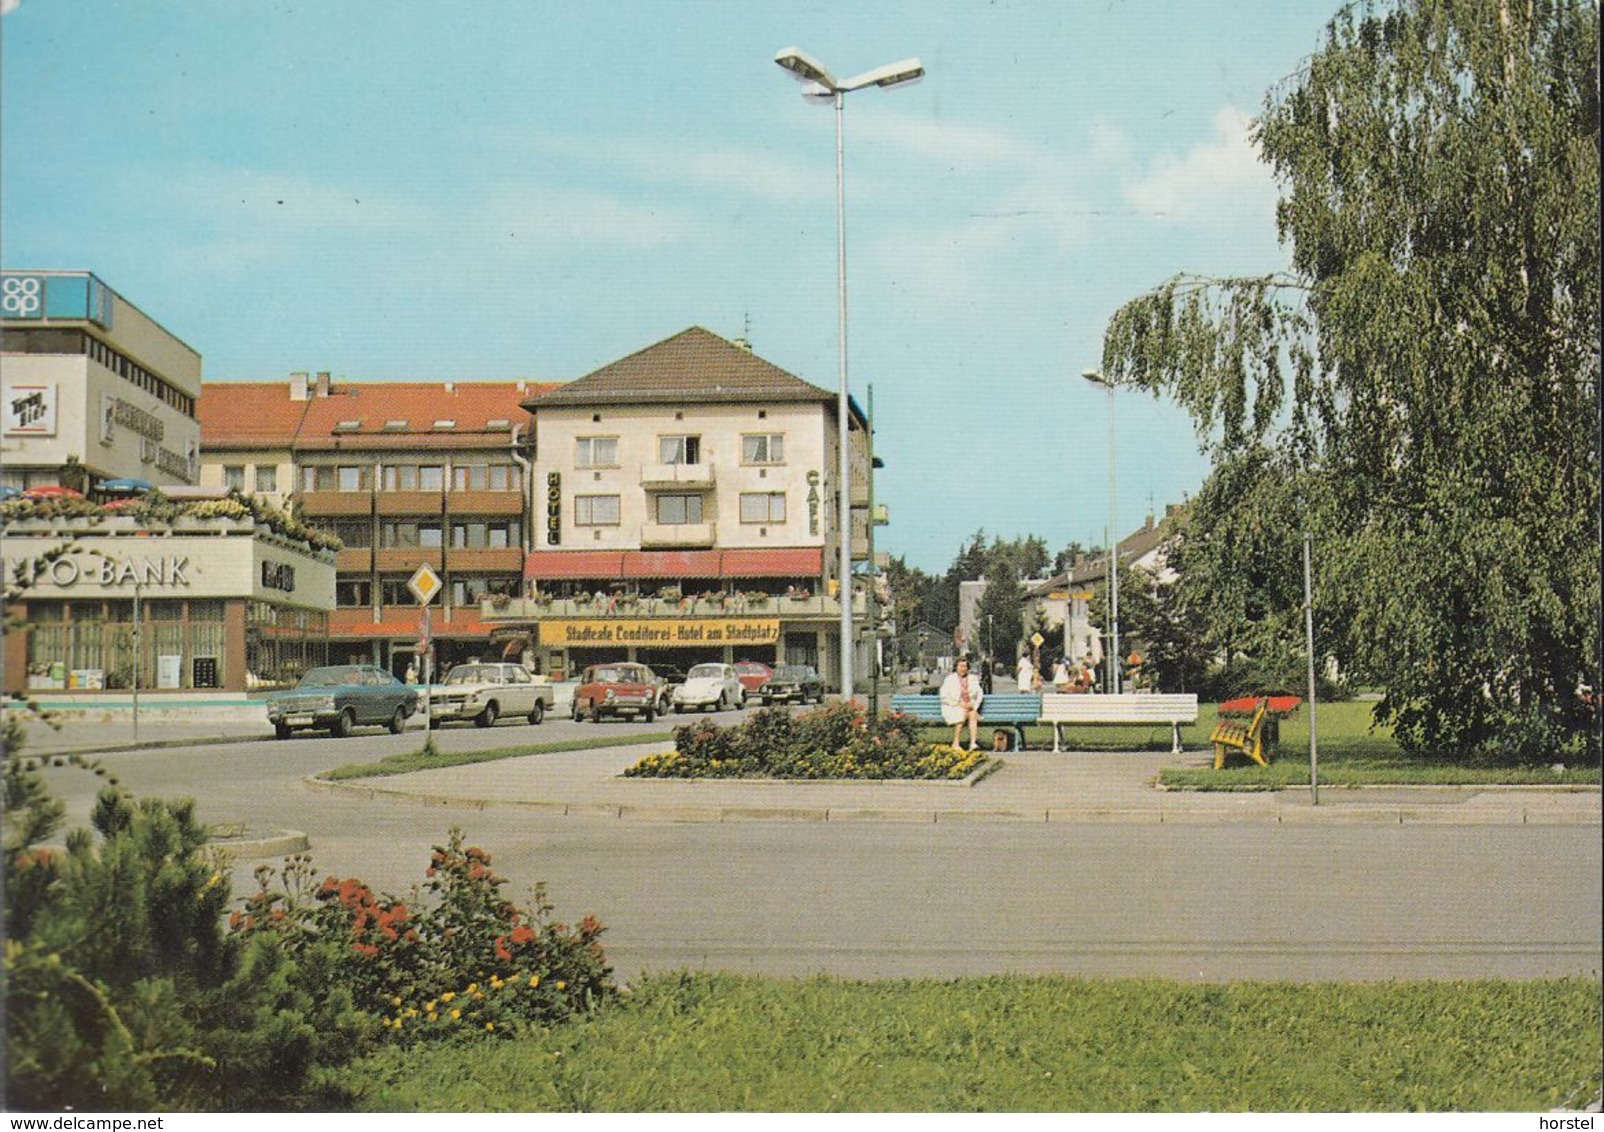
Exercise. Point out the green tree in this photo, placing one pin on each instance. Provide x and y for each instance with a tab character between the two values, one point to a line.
1421	389
1000	628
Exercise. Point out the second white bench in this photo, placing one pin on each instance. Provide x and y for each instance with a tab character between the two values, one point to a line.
1131	709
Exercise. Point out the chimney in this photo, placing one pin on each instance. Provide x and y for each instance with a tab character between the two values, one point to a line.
451	387
298	386
1149	525
323	384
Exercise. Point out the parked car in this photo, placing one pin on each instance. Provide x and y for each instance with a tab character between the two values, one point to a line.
341	697
486	692
710	686
752	673
798	683
619	689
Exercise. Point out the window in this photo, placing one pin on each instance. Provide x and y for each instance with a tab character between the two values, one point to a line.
234	477
506	477
486	534
473	477
401	534
679	450
431	536
401	477
351	593
596	510
351	478
471	591
677	510
352	532
431	477
596	452
763	448
267	477
763	507
395	592
316	478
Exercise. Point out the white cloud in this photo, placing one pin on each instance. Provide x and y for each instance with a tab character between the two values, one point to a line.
8	6
1222	173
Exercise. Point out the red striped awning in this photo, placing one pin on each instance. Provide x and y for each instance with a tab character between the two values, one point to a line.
783	562
544	564
671	564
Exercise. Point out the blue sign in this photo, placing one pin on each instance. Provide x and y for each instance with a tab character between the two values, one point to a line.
71	295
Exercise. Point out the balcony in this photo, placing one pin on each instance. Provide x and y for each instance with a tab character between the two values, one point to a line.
676	535
814	607
503	560
410	503
354	560
320	503
407	558
657	476
486	502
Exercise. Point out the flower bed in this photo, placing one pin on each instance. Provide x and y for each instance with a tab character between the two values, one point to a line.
838	741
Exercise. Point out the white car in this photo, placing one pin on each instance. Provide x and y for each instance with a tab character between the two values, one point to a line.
486	692
711	686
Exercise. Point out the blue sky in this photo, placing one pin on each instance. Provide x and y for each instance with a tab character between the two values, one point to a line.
506	189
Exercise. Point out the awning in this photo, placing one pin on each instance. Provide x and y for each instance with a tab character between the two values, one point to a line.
785	562
544	564
671	564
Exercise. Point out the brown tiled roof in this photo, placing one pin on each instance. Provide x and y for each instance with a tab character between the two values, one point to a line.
693	365
260	414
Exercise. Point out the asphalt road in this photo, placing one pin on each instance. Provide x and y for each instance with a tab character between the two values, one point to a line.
867	899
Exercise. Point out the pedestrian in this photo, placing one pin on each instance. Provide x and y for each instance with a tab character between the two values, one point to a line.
985	675
412	674
1063	679
960	703
1026	675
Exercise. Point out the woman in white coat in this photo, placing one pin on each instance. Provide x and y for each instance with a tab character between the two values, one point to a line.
960	703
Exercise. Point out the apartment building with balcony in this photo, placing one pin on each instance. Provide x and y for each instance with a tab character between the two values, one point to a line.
686	511
406	474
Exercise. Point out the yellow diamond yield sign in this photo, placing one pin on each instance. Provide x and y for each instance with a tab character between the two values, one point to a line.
424	584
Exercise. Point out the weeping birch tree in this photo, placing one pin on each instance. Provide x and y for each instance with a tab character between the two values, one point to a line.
1420	388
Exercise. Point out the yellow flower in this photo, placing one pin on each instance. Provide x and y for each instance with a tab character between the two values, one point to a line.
534	980
490	1025
448	996
396	1001
561	985
455	1014
429	1006
472	987
495	982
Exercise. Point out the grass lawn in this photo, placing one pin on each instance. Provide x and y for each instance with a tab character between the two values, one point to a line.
701	1043
425	759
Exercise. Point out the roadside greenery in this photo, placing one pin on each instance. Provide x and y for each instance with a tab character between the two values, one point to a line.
836	741
430	757
1420	391
723	1043
125	990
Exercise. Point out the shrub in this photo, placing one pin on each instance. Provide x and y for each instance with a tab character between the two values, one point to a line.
838	741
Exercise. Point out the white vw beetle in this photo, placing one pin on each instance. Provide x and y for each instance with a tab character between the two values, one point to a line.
711	686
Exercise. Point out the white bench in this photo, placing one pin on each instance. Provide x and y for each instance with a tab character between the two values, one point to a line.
1059	708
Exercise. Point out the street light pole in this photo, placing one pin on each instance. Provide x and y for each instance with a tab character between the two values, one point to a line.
823	86
1096	378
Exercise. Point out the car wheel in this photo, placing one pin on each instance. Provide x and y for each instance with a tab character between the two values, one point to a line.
649	715
538	712
281	730
487	717
398	721
344	725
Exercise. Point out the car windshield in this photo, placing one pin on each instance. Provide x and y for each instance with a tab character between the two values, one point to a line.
473	674
790	672
322	677
709	670
608	676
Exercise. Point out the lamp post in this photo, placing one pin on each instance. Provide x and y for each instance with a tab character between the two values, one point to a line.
1097	378
822	86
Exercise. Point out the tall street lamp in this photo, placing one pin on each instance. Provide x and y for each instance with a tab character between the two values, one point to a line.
1096	378
822	86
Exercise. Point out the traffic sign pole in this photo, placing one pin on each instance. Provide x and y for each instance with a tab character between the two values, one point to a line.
425	585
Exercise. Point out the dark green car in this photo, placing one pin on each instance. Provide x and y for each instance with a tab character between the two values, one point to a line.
797	683
339	699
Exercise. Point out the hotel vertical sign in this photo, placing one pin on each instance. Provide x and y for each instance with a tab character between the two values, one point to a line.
554	508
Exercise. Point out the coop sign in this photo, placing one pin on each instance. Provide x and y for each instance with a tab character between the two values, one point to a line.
70	570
